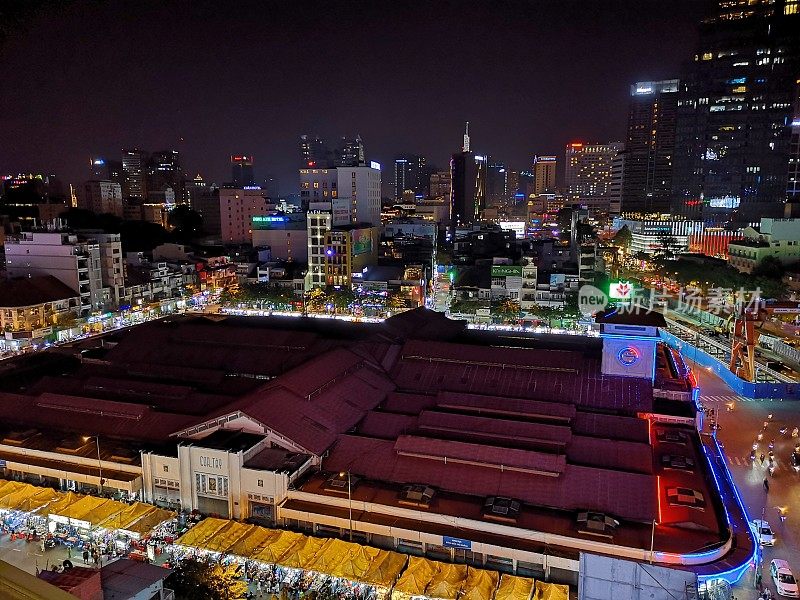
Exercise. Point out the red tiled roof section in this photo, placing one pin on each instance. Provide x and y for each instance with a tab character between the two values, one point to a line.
611	454
498	430
505	406
386	425
611	426
478	455
30	291
311	376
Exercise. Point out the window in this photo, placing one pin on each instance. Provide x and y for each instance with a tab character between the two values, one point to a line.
166	468
260	483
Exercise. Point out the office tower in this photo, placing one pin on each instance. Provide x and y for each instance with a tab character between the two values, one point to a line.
102	197
193	188
350	152
793	181
587	173
242	170
440	184
496	182
544	174
164	171
314	153
649	147
134	175
410	174
734	113
615	184
512	187
468	191
106	170
319	192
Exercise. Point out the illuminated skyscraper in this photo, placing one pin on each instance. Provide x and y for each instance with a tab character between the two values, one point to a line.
468	187
544	174
587	172
734	113
134	174
242	170
649	147
410	174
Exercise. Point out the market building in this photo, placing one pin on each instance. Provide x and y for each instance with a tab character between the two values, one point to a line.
415	435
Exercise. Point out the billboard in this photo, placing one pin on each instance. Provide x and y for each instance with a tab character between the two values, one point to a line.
506	271
362	241
621	290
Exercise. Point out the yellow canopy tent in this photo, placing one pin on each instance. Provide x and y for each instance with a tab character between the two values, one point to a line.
514	588
253	542
303	553
274	548
149	521
385	569
447	582
330	556
92	510
127	517
415	578
480	584
204	530
227	537
29	499
551	591
9	487
58	506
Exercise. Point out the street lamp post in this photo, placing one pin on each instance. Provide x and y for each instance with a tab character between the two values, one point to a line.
349	501
86	438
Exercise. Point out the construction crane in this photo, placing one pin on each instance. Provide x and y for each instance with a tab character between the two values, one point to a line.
749	319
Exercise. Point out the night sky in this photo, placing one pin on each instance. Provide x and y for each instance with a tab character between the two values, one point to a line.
81	79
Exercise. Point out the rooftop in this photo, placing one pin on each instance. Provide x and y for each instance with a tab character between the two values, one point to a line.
30	291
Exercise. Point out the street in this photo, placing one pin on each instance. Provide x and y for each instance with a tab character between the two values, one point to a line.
740	421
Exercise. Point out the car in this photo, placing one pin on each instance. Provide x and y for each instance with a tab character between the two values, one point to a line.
785	583
763	532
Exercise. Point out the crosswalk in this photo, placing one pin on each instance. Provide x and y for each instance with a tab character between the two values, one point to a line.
744	461
729	398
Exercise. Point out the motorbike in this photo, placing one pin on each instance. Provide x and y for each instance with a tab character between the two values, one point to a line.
783	430
795	432
772	444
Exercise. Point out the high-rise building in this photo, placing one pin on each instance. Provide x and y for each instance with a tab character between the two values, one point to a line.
134	175
793	181
615	185
164	171
102	197
314	153
350	152
359	188
106	170
649	147
544	174
587	172
237	207
410	174
496	184
319	192
734	113
440	184
242	170
468	191
512	187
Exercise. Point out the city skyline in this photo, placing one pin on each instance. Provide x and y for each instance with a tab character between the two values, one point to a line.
540	89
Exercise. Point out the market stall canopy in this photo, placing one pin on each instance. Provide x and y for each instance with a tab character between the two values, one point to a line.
385	569
28	498
197	536
514	588
227	537
447	582
277	547
333	553
127	517
9	487
254	542
61	504
415	578
364	564
150	521
480	584
303	553
91	510
551	591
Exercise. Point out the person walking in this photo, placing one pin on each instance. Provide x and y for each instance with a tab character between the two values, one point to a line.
766	486
85	556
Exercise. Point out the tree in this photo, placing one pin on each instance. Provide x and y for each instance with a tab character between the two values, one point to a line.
342	299
508	310
186	223
195	579
770	268
623	238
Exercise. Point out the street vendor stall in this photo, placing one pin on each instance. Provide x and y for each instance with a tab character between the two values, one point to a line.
480	584
198	535
447	582
18	509
514	588
415	579
550	591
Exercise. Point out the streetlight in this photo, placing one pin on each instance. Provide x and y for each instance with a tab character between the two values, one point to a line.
349	501
86	438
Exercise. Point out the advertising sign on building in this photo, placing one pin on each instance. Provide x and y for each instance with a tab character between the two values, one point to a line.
362	241
621	290
506	271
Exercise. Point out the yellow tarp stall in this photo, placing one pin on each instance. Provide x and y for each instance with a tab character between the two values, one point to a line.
385	569
92	510
514	588
357	562
150	521
29	499
447	582
227	537
127	517
303	553
277	547
550	591
9	487
415	578
480	584
197	536
333	555
61	504
254	542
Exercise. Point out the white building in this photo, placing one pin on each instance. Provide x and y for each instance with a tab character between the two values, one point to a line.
319	223
360	188
649	235
237	207
778	238
102	197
